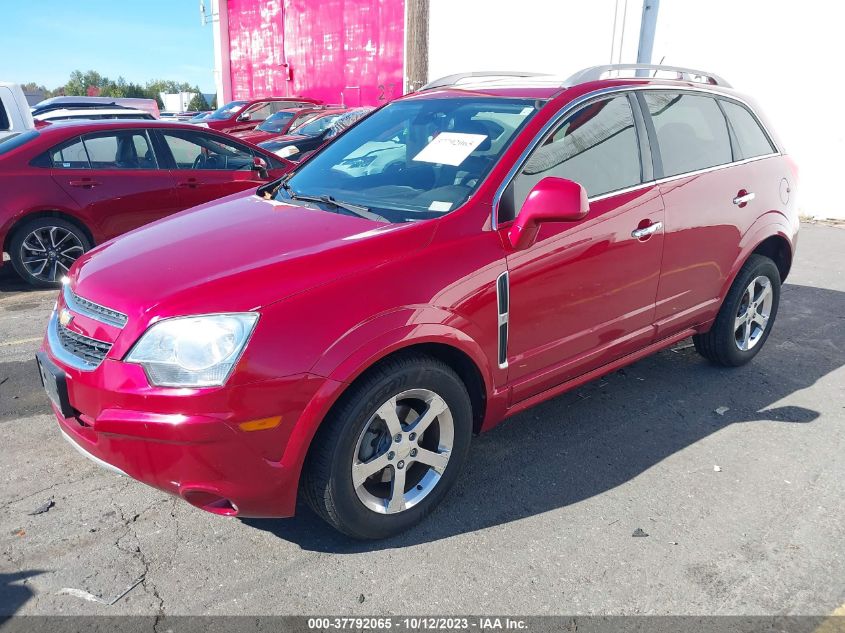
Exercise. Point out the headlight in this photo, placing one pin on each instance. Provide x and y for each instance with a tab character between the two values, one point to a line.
290	150
195	351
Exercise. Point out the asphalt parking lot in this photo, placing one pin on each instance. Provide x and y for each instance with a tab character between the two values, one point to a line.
743	507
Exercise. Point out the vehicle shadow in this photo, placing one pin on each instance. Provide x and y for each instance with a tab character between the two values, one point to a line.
591	440
13	591
11	282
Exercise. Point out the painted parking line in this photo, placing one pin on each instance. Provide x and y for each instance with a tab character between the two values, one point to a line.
834	623
21	341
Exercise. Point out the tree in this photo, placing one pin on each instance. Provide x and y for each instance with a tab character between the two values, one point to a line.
92	83
198	102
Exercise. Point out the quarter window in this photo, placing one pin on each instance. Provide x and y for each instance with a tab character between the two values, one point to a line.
691	131
750	136
70	155
596	147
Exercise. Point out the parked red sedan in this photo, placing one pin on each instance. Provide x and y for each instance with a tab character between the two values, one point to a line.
345	331
69	186
244	115
279	124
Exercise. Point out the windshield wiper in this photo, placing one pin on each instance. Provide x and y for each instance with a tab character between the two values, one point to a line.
355	209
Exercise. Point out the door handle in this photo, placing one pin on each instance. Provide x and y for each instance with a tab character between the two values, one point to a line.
646	230
85	183
744	198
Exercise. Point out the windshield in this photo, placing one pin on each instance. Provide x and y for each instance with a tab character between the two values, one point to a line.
16	140
276	122
226	111
316	126
414	159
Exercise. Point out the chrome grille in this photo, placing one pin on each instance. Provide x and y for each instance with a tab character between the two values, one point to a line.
93	310
89	350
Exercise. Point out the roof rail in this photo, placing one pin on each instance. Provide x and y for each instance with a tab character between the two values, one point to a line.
594	73
452	80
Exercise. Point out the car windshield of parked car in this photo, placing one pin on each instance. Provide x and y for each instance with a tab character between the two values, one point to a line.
316	126
277	122
16	140
415	159
226	111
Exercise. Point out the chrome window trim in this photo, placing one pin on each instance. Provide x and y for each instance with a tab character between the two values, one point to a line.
597	95
59	351
78	305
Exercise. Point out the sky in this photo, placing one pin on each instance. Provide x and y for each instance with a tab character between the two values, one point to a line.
137	39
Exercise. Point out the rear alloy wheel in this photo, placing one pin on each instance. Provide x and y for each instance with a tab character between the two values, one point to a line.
42	251
391	449
746	316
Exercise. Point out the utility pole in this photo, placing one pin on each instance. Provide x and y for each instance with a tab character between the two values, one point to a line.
648	27
416	44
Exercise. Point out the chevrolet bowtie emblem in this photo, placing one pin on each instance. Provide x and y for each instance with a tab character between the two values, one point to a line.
65	317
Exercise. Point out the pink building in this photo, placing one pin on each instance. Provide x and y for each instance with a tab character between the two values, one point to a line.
340	51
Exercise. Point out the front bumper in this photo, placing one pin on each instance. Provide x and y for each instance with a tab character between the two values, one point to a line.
189	442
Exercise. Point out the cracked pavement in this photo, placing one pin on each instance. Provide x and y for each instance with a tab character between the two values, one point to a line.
541	521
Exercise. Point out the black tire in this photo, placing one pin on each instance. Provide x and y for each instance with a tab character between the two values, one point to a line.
326	481
719	345
16	248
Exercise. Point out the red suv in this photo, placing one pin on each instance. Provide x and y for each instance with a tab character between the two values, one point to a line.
347	329
279	124
71	185
245	115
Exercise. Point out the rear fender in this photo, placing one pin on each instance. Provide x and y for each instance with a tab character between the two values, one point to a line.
767	225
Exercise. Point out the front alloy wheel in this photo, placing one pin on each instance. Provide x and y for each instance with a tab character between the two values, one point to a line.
403	451
390	449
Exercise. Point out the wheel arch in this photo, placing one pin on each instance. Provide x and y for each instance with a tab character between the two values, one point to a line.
770	236
779	250
450	346
46	213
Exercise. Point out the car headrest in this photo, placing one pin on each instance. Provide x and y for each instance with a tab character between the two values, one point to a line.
474	127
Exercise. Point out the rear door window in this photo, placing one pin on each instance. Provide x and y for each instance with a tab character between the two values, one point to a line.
691	131
751	138
119	150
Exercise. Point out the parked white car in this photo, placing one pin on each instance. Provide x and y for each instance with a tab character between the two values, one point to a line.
15	116
133	103
69	114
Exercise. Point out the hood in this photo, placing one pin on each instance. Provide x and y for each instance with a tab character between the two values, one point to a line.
282	141
235	254
256	135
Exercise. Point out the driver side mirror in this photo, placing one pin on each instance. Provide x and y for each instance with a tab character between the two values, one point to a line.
260	165
551	200
246	116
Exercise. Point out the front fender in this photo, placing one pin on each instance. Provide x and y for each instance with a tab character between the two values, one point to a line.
354	354
376	338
